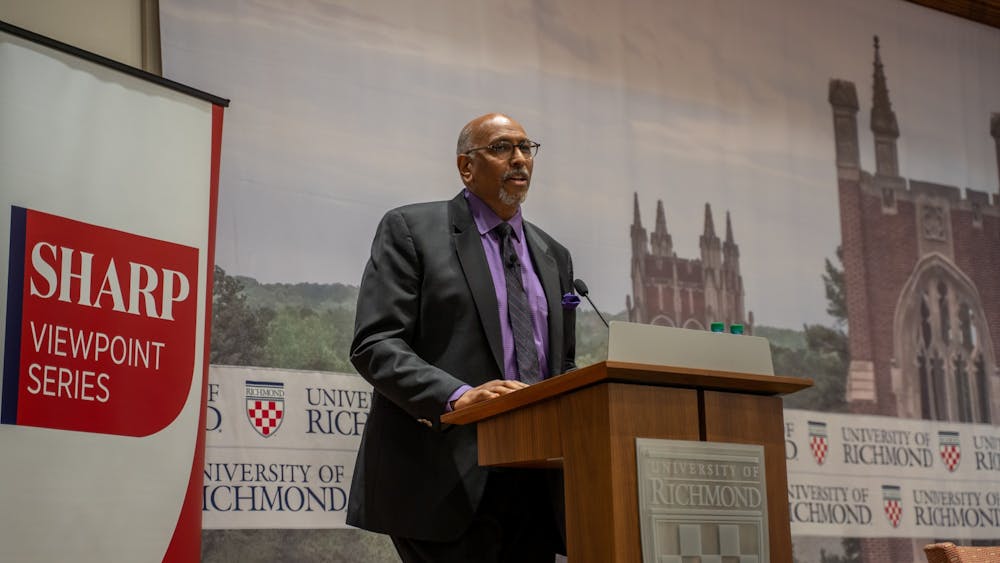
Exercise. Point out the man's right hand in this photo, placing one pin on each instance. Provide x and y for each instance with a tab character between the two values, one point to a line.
487	391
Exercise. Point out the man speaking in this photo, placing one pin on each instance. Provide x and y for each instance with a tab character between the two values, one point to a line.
460	302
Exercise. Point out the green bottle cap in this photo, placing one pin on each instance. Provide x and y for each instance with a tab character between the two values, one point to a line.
718	327
736	329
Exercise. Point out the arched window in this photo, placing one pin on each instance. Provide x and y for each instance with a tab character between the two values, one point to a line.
693	324
662	320
942	348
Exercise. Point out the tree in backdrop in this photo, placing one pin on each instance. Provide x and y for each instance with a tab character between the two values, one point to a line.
239	332
592	336
304	338
289	326
836	292
824	356
851	554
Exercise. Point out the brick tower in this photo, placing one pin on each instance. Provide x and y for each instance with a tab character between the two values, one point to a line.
684	292
922	274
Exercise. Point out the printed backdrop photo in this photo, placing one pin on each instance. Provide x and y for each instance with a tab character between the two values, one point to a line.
825	173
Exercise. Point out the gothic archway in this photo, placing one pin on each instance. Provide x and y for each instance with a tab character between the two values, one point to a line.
662	320
693	324
943	365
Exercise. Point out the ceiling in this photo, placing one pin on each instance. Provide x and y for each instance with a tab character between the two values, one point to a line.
982	11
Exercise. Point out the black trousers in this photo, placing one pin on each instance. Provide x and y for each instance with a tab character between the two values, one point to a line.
519	520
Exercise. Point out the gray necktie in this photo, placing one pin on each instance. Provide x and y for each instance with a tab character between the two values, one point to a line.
517	308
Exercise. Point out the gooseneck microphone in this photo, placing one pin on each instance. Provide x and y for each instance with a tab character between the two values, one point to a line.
581	288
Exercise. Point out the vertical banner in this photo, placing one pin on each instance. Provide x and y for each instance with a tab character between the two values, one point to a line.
108	183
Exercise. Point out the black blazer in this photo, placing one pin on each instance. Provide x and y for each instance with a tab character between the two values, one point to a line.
427	323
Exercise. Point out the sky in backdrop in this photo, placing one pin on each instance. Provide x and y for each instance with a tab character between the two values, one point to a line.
342	110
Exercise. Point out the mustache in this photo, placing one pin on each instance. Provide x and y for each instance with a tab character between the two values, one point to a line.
520	171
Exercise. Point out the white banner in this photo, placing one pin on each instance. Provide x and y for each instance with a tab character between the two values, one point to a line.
281	446
876	476
282	443
106	203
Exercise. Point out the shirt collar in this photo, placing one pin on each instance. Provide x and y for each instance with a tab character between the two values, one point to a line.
486	219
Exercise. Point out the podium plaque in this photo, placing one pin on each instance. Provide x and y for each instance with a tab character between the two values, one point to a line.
701	501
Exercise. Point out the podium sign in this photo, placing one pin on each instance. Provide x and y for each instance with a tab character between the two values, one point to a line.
701	501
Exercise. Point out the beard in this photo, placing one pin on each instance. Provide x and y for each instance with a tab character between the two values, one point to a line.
510	199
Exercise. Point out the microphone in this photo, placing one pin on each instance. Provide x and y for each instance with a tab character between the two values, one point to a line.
581	288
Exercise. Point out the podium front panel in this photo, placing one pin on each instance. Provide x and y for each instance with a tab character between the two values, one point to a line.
602	509
752	419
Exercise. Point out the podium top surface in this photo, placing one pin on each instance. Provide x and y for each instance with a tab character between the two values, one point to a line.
642	343
631	373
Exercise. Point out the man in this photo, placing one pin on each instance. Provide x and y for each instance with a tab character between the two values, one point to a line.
460	303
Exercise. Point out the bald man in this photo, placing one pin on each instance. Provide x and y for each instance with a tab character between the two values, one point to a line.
460	302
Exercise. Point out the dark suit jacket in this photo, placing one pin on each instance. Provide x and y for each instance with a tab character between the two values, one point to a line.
427	323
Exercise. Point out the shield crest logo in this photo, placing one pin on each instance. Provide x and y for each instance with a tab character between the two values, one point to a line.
892	503
265	406
950	447
817	441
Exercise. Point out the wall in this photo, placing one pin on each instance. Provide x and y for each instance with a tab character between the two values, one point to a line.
111	28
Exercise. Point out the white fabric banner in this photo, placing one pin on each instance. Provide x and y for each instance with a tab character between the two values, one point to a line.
876	476
281	447
282	443
105	202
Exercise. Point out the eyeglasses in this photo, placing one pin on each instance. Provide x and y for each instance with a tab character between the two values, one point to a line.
505	149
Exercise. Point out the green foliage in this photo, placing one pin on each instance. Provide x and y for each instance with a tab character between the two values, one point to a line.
826	340
592	336
290	326
301	338
239	331
824	360
784	337
826	355
314	296
851	554
836	291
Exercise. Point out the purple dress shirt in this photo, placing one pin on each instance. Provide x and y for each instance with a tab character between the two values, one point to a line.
486	220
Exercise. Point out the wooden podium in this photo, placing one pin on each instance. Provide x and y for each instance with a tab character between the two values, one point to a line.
586	422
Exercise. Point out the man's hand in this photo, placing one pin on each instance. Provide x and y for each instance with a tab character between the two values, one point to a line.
487	391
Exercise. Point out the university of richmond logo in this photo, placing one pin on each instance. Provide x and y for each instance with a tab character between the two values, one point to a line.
892	502
950	447
265	406
817	441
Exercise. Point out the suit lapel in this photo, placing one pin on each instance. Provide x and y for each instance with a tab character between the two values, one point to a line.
548	273
469	248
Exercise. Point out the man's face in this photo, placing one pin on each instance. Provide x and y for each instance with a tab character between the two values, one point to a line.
500	181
